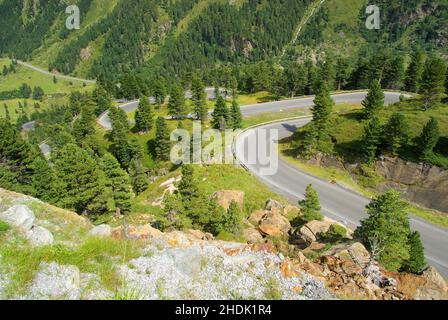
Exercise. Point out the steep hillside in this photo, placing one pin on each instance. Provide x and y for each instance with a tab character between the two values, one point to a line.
340	25
49	253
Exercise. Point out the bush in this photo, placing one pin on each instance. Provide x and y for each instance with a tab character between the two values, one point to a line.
4	226
336	233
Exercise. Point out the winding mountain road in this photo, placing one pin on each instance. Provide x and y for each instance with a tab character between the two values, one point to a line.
337	202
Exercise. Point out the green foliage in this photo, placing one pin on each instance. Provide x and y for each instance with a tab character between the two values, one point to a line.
4	227
322	109
45	182
138	175
311	208
162	144
176	104
102	99
371	139
118	181
144	116
417	260
220	115
415	71
199	97
232	220
236	117
16	160
385	232
432	82
428	139
374	100
84	185
335	234
396	134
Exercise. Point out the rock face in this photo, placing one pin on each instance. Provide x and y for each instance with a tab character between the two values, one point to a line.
225	197
418	182
217	270
39	236
57	282
424	184
19	216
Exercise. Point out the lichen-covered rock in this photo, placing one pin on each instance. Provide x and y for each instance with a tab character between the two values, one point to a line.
257	216
19	216
55	282
355	252
39	236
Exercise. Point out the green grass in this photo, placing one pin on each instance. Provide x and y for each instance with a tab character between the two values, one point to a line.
254	98
95	255
34	78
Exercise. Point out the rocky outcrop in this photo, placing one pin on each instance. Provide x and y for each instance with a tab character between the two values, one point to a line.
420	183
225	197
274	224
19	216
39	236
313	230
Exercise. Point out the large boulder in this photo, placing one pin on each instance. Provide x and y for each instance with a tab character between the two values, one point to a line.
102	230
39	236
355	252
225	197
252	235
273	205
311	231
274	224
19	216
256	217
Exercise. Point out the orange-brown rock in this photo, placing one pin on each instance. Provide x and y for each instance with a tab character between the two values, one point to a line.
288	270
225	197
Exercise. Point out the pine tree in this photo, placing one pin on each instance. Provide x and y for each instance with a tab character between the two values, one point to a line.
432	82
414	72
199	98
311	205
159	92
118	182
38	93
232	220
102	99
55	80
139	178
374	100
371	139
162	144
188	188
322	109
236	118
428	139
85	185
16	159
176	104
417	260
119	121
45	183
386	230
85	125
396	134
144	116
220	114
